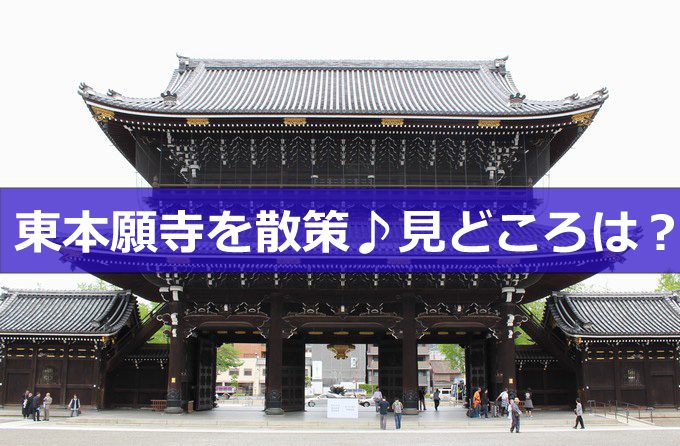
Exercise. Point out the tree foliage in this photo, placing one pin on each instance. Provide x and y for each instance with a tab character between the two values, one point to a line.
455	354
227	358
669	282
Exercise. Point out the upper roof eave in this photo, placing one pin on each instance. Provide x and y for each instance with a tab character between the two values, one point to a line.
488	92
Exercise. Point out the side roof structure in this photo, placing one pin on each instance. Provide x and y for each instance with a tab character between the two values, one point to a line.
218	87
617	315
40	313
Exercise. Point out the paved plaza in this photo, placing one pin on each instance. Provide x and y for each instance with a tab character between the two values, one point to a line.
232	424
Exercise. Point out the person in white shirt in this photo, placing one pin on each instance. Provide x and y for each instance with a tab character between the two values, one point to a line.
377	397
504	401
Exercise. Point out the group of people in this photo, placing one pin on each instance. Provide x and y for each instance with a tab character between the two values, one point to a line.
382	407
33	406
511	407
481	404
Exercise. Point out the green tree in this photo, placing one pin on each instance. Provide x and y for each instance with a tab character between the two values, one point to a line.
97	285
308	381
145	308
227	358
455	354
668	282
234	382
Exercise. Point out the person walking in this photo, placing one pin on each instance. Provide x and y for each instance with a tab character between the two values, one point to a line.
485	403
74	406
421	399
377	397
579	414
515	412
47	404
383	407
26	404
397	407
528	402
436	398
35	407
504	401
476	402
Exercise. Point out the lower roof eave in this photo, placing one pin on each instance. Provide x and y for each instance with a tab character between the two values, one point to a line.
58	335
626	337
343	116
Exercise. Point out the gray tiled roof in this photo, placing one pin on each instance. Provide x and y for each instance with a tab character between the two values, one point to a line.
66	313
295	87
630	315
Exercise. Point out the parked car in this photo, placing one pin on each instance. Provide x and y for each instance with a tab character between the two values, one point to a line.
366	402
321	400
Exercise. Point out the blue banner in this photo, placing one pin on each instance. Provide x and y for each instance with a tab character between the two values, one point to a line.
376	230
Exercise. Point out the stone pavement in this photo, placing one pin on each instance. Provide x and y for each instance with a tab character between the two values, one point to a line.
235	417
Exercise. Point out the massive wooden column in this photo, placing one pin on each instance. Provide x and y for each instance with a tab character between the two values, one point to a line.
409	357
176	355
506	344
274	376
293	375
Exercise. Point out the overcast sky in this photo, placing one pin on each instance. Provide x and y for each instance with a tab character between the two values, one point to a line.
555	49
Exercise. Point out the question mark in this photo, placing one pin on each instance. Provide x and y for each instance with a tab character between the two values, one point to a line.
668	227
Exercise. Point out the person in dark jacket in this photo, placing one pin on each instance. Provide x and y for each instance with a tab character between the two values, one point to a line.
421	399
35	407
26	404
74	406
485	403
436	398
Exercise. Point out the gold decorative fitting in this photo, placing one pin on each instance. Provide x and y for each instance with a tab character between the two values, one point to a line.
315	333
101	114
367	333
340	350
294	121
392	121
198	121
583	119
489	123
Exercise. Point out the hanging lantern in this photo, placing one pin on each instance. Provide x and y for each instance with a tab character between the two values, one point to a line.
340	350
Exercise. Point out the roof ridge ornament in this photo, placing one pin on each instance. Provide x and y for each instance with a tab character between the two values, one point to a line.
85	89
572	98
517	99
183	63
113	93
169	98
499	65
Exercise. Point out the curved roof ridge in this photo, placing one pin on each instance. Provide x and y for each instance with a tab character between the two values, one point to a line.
61	292
211	63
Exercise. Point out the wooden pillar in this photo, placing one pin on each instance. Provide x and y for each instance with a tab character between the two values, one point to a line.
409	357
274	379
506	351
176	359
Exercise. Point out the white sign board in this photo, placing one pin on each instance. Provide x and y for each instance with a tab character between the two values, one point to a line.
342	408
317	369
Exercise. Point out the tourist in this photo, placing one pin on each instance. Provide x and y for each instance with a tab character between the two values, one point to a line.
485	403
579	414
504	401
377	397
421	399
74	406
35	407
515	412
476	402
528	402
397	407
436	399
26	404
47	403
383	406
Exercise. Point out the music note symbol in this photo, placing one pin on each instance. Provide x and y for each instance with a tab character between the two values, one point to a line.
368	247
